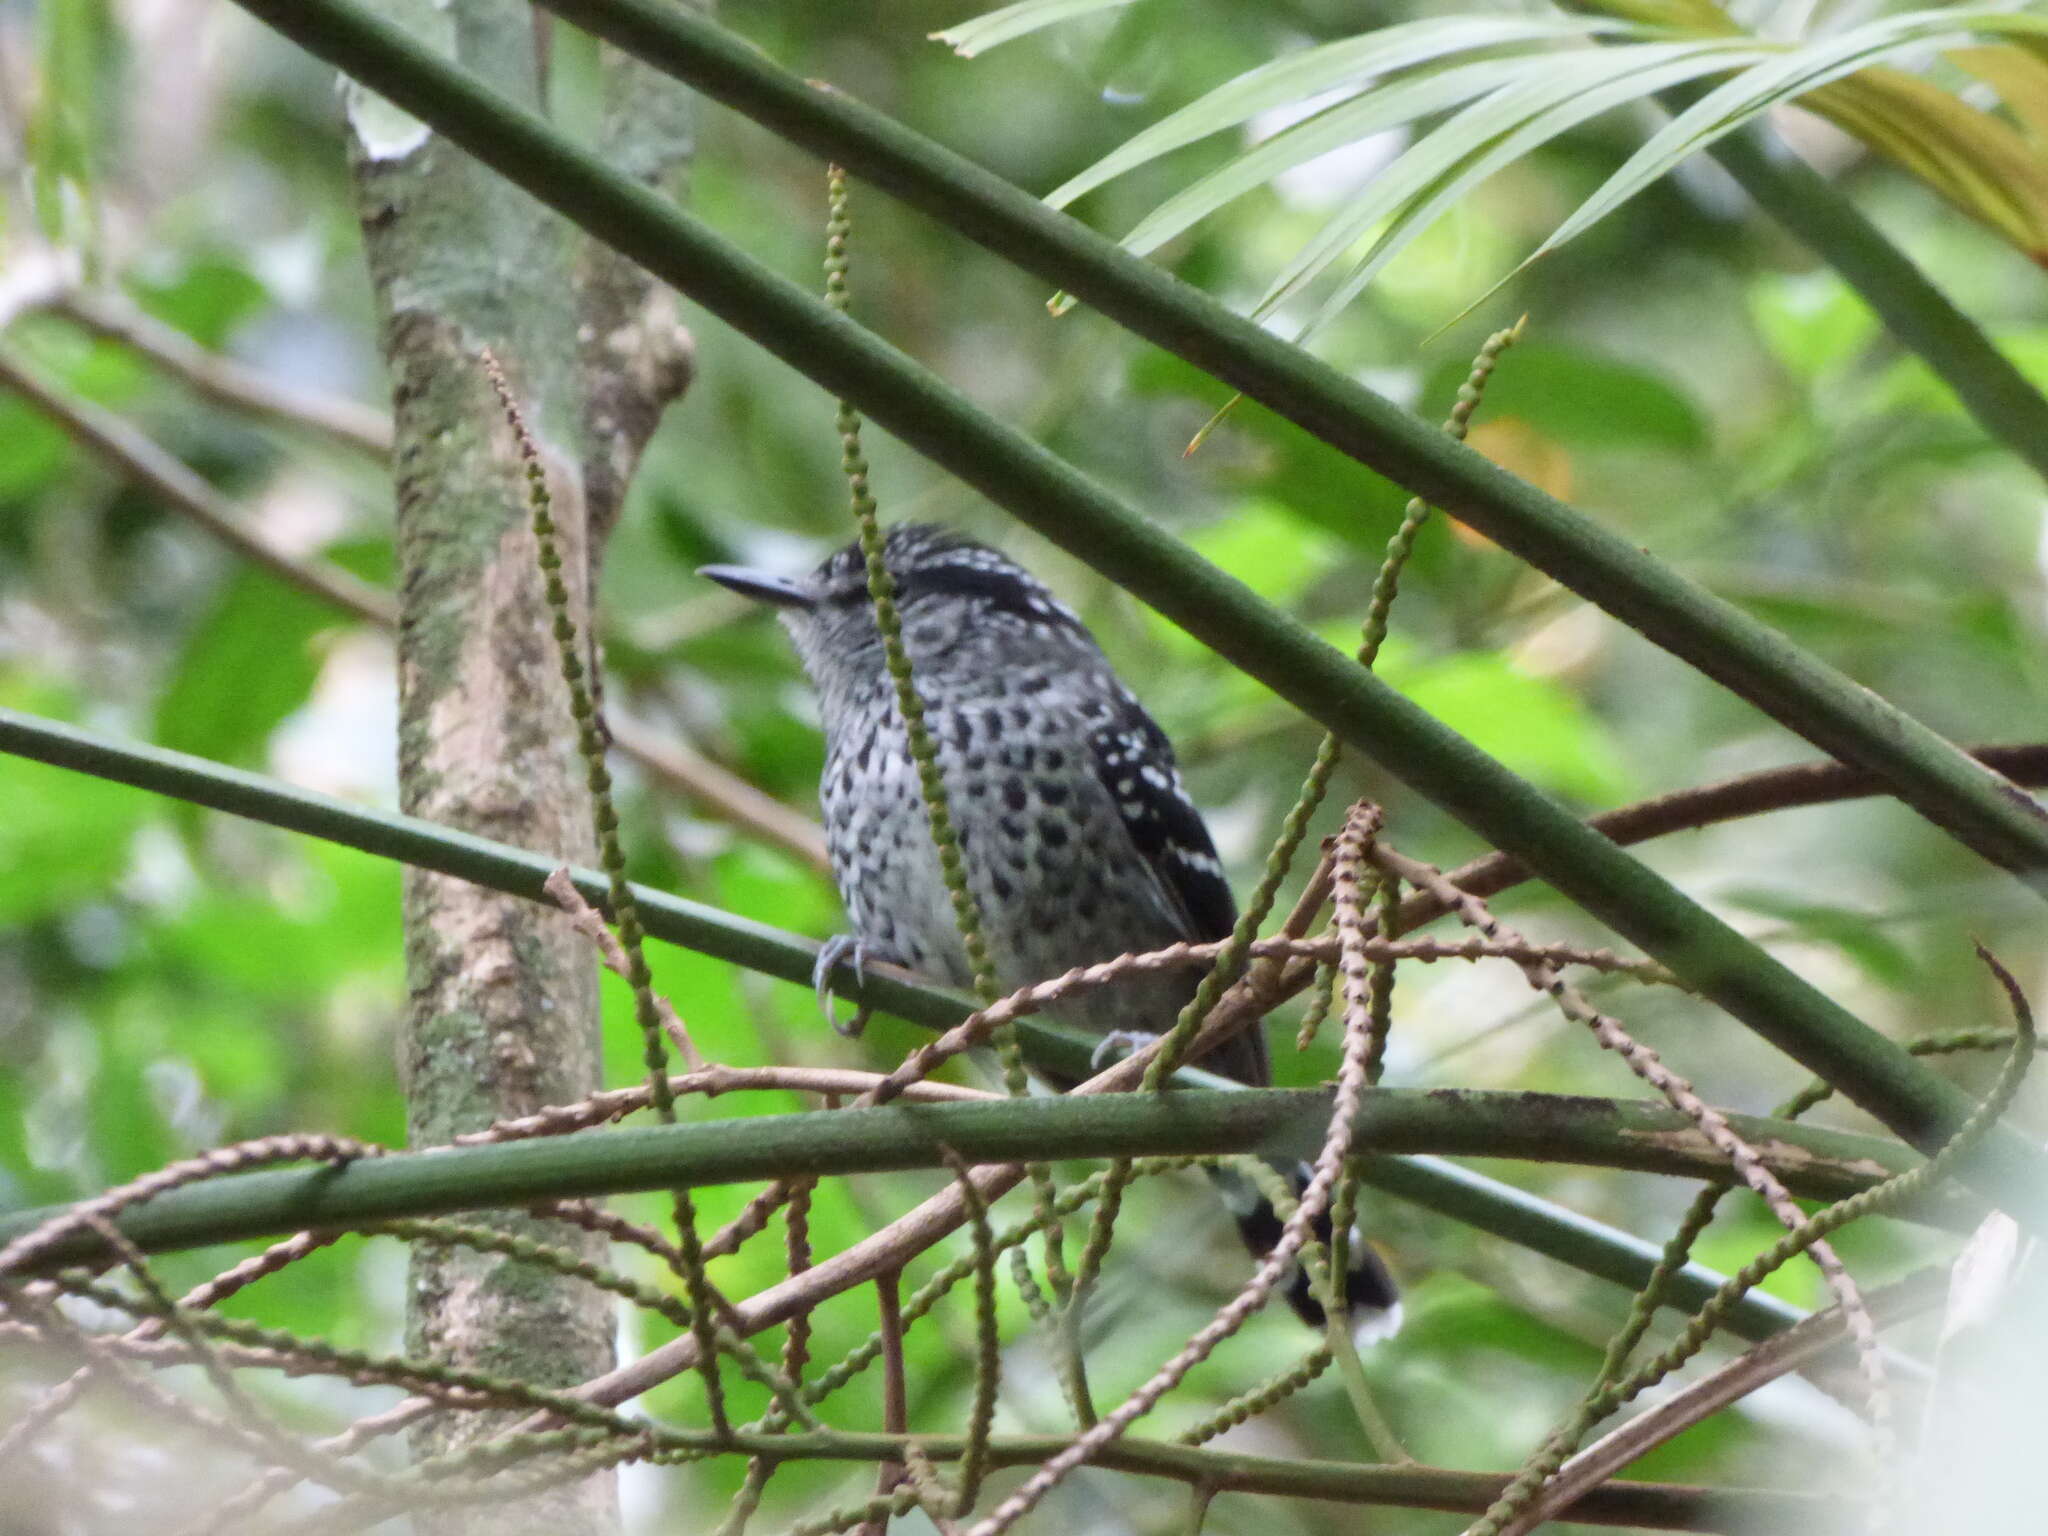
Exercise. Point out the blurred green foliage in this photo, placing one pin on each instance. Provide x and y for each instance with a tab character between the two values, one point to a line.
169	980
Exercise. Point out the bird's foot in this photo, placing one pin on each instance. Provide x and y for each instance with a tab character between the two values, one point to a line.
837	950
1119	1043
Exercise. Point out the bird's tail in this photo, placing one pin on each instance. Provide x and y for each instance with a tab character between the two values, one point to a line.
1371	1299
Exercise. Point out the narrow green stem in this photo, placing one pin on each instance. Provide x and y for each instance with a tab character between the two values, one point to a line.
1465	1196
1616	1133
1926	771
1727	644
1919	315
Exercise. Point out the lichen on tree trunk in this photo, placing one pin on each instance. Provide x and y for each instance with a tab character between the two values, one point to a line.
502	1013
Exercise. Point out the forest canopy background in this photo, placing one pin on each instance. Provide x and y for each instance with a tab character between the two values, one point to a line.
1692	378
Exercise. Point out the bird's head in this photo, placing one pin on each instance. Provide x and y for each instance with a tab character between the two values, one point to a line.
950	593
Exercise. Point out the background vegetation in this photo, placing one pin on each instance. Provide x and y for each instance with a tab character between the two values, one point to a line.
1692	378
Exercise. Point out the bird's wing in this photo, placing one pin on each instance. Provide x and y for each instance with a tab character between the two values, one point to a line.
1135	763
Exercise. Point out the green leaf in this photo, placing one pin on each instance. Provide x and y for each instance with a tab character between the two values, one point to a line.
1557	93
339	920
1908	384
1300	76
247	665
1264	545
1973	159
64	839
2019	75
67	124
1813	323
1744	1231
37	450
1691	15
1416	94
1454	1316
1856	934
1012	21
206	297
1536	726
1807	68
1279	462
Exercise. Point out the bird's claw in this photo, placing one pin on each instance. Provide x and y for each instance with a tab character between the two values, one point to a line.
1119	1043
836	951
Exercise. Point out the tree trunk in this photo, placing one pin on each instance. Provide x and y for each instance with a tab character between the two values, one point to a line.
502	1015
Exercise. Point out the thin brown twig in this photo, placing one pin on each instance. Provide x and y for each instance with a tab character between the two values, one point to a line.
139	458
895	1388
585	919
222	380
1352	844
1646	1064
1754	1368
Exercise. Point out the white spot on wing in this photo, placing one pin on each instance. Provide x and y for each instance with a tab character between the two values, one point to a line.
1369	1328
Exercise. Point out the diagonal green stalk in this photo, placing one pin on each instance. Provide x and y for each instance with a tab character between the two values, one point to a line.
445	850
1919	315
1230	964
1038	487
1294	826
1755	661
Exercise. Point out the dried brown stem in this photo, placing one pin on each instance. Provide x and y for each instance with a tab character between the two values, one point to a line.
222	380
137	457
1755	1367
1646	1064
1349	857
895	1388
586	920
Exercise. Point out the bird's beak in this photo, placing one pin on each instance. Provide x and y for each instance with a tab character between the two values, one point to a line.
761	586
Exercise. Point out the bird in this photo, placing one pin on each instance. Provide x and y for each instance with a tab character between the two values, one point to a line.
1076	832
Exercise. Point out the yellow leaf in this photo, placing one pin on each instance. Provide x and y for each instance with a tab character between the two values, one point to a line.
1680	15
2019	75
1977	161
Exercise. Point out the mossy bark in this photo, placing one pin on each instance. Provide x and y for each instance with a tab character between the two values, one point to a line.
502	1015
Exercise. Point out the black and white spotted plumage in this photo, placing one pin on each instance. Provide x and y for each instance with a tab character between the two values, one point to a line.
1077	835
